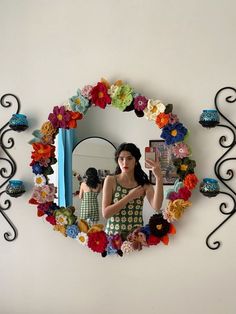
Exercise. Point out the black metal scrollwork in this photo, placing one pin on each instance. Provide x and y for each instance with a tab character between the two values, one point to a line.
229	174
9	168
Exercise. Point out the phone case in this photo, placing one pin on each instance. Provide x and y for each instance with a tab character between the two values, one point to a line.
150	153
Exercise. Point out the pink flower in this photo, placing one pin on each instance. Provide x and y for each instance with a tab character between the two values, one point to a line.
44	194
140	103
86	91
173	118
59	117
180	150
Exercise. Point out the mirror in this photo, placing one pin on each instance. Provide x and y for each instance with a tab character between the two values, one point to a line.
97	153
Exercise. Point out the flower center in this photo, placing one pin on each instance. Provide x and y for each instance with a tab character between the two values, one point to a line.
77	101
59	117
43	194
39	180
100	95
82	239
183	167
174	132
159	227
154	109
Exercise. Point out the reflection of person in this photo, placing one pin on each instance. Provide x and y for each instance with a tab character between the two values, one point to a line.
89	190
124	192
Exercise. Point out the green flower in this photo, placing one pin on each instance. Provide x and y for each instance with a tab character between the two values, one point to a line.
65	216
122	97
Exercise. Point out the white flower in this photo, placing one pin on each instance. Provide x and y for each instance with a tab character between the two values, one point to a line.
39	180
61	220
127	247
153	109
112	90
82	238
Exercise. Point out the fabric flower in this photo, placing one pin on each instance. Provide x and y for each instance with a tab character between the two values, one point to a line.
173	133
42	151
97	241
86	92
123	97
72	231
82	238
100	96
190	181
140	103
175	209
65	215
59	117
74	116
39	180
45	193
79	103
162	119
153	109
184	166
127	247
173	118
180	150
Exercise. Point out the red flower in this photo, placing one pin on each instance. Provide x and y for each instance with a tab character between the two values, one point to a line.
162	119
51	220
153	240
190	181
74	116
97	241
42	151
100	96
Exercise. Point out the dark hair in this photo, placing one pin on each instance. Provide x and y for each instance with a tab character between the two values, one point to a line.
91	178
139	175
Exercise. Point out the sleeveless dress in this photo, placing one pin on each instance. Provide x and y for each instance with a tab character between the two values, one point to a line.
129	217
89	208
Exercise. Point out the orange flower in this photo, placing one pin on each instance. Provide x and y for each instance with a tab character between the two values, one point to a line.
190	181
74	116
47	128
162	119
42	151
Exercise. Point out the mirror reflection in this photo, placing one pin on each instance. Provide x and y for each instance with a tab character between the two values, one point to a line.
92	161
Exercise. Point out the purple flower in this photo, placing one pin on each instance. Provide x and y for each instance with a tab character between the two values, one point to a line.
173	133
140	103
59	117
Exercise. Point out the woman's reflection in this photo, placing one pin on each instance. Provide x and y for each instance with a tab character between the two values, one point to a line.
88	193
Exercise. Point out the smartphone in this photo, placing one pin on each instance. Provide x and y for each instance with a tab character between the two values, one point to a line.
150	153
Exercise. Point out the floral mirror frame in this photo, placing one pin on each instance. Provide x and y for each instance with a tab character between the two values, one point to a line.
62	219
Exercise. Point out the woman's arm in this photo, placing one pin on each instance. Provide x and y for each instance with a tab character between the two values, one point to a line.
81	190
155	194
109	209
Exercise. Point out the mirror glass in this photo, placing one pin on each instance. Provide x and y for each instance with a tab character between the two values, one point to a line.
93	152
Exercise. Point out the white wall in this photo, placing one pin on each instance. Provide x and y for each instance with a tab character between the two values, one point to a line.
179	51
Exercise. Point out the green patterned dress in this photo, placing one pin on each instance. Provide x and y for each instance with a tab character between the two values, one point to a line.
89	209
128	217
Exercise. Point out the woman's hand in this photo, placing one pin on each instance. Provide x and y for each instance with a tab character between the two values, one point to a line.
136	192
155	167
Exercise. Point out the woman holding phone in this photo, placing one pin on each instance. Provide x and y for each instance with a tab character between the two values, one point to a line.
124	192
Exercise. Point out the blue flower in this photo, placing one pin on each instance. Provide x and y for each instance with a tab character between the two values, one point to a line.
173	133
79	103
146	230
72	231
37	169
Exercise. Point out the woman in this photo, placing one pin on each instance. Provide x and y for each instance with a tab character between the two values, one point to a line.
124	192
89	190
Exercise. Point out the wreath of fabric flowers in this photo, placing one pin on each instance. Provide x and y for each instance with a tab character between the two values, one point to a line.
123	97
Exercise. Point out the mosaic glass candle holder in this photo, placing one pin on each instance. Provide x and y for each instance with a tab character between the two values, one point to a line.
15	188
209	118
209	187
18	122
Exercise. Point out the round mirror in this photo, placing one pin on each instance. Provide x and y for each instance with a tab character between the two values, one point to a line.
92	161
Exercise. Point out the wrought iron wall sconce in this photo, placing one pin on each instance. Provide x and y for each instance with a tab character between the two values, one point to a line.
15	188
210	187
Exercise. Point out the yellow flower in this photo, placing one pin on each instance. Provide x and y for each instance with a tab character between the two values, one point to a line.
47	128
176	208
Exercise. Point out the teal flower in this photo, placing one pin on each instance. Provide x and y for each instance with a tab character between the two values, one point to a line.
79	103
123	97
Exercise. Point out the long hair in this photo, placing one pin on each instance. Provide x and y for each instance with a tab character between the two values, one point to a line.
91	178
139	175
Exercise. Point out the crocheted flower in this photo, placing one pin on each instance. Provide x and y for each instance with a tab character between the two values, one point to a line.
97	241
100	95
37	168
138	239
153	240
74	116
45	193
79	103
183	193
175	209
123	97
65	215
59	117
110	249
39	180
162	119
173	133
86	91
47	129
42	151
190	181
180	150
140	103
60	228
127	247
113	90
82	238
46	208
51	220
72	231
160	228
177	185
173	118
116	241
184	166
153	109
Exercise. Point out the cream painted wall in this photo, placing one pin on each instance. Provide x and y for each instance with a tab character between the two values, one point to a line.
179	51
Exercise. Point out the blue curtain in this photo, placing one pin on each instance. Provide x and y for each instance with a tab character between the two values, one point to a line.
65	147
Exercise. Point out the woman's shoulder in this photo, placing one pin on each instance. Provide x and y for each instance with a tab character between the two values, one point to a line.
110	178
